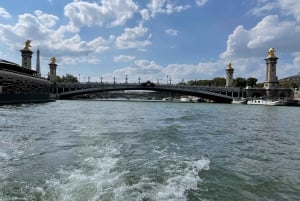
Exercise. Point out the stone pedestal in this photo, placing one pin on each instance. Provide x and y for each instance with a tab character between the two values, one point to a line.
26	57
229	75
52	66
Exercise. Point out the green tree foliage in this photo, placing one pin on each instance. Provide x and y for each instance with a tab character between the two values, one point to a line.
240	82
219	82
288	85
251	81
259	85
66	78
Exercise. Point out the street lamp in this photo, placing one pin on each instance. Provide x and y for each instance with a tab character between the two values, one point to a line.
139	80
167	78
126	79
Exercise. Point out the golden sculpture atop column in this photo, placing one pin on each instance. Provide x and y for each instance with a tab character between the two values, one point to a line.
27	45
53	60
271	53
229	65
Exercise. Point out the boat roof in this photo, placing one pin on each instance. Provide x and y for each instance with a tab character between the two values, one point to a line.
10	66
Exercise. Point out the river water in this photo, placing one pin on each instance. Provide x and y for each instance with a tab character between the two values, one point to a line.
148	151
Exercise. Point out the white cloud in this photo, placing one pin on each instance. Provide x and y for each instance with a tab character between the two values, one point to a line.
144	69
286	7
150	70
269	32
123	58
201	2
171	32
109	13
165	7
145	14
4	13
262	9
75	60
46	19
133	38
40	29
291	7
297	59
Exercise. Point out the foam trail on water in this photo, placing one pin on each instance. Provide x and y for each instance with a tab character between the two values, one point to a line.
188	178
94	180
173	188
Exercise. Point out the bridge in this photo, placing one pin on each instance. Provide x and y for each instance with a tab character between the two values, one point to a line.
216	94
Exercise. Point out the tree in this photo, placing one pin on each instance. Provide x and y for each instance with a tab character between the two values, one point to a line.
251	81
259	85
240	82
67	78
289	84
219	82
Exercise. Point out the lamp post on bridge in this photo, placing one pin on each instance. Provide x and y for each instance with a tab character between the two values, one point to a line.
126	79
160	81
170	81
139	80
167	78
114	80
101	79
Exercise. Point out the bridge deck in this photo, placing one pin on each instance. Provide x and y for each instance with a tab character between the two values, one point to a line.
217	94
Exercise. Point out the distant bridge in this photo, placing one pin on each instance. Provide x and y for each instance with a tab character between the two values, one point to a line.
216	94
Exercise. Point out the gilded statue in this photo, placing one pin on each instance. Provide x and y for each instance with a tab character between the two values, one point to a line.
53	60
271	52
229	66
27	44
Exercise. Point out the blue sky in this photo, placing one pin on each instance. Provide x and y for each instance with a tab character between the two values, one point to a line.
154	39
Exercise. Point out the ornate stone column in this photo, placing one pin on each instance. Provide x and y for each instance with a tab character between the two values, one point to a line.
271	78
26	55
52	66
229	75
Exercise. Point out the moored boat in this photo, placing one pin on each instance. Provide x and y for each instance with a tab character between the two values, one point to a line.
265	102
239	101
185	99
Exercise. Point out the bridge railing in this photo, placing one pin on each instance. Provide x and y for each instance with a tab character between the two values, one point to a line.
217	93
85	85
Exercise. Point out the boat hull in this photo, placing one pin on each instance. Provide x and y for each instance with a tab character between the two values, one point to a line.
234	101
264	102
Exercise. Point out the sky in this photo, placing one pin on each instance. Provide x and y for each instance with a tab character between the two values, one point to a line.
154	40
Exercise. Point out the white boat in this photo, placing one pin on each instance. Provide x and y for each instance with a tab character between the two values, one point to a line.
196	99
239	101
264	102
185	99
